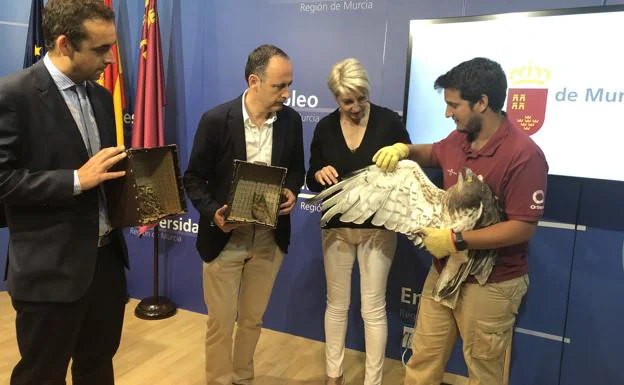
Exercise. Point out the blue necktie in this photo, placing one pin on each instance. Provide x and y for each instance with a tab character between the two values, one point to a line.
92	141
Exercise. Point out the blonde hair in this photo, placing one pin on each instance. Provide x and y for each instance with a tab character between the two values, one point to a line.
348	75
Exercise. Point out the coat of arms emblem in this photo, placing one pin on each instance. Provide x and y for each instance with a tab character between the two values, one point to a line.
526	107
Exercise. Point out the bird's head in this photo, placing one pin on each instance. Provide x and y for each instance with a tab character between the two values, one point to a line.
472	193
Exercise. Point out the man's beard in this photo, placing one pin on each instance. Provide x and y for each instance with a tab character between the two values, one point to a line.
473	128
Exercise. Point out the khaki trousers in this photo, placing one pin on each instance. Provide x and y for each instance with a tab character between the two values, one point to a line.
239	281
484	318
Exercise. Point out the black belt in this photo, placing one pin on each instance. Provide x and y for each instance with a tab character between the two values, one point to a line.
105	240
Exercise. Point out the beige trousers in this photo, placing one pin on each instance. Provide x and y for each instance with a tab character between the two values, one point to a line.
484	318
239	281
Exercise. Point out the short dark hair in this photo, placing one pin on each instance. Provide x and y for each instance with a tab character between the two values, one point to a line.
66	17
258	59
474	78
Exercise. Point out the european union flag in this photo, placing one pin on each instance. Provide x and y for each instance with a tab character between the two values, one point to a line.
35	48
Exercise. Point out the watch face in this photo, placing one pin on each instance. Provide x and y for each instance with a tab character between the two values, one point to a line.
460	244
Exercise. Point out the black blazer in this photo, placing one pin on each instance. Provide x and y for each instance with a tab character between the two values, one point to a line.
52	234
220	138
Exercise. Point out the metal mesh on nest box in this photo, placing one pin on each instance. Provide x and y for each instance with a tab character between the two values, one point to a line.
255	193
151	189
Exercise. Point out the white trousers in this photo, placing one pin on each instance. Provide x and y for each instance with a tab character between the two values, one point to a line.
374	249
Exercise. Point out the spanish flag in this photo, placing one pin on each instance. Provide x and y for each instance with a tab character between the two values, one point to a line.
113	81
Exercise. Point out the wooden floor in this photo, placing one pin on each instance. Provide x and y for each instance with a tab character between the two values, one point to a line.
170	352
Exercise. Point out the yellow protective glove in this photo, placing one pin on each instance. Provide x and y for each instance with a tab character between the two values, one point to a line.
439	242
388	157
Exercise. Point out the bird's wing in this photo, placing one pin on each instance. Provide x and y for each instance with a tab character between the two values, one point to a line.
404	201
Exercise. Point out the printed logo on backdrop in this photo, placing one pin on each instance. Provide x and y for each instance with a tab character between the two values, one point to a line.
307	106
327	6
409	304
309	207
526	106
172	229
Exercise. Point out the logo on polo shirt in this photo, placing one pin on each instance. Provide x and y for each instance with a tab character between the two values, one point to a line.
526	106
538	200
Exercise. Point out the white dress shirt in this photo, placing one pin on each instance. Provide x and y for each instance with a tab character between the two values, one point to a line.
258	140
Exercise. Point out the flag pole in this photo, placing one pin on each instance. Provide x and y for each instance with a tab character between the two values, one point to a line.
156	306
148	131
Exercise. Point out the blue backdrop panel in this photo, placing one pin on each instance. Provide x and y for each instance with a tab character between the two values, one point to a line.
563	199
13	29
595	311
550	259
313	40
539	335
299	292
535	361
13	53
597	343
180	268
407	277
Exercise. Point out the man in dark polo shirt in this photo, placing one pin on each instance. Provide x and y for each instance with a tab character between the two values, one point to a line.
515	168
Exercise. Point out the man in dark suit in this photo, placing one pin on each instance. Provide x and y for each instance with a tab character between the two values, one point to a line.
241	261
65	270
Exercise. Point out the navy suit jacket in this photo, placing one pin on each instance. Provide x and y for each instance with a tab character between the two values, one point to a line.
53	234
220	138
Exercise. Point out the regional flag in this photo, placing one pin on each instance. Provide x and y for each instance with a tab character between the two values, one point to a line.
148	129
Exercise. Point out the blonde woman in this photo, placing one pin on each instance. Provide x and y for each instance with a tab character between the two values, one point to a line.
345	141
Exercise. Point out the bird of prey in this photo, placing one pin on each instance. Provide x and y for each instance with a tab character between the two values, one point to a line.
406	201
260	208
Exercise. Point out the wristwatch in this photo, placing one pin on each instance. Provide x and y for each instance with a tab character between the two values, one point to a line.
460	243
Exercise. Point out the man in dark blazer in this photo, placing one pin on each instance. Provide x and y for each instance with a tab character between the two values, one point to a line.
241	261
65	270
